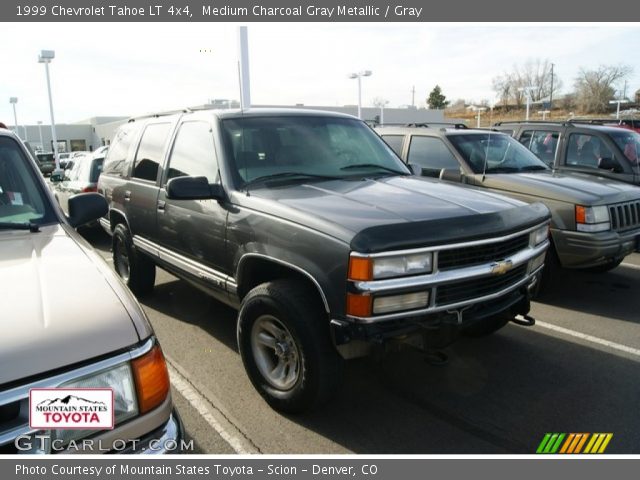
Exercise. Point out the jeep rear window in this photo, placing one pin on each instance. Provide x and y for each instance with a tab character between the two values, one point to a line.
316	146
629	142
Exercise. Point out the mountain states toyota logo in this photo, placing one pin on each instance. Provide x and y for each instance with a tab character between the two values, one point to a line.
71	408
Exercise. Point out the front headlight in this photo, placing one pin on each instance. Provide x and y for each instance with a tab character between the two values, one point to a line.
540	235
367	268
592	219
125	404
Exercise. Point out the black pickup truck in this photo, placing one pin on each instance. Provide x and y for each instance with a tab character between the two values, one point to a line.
310	225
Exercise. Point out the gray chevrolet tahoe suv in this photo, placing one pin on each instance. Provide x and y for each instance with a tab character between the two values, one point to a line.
595	221
310	226
92	333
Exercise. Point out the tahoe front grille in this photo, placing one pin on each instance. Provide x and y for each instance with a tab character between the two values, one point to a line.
479	254
478	287
625	216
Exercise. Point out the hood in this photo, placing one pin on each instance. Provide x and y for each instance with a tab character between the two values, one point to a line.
354	205
346	209
575	188
59	307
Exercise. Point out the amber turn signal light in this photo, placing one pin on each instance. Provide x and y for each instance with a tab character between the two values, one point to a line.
152	379
359	305
360	269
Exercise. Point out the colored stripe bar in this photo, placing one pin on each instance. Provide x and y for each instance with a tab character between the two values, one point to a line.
581	443
555	447
590	444
599	440
544	441
574	443
551	443
606	442
568	442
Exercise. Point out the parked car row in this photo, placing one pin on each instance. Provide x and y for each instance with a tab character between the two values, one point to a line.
330	239
595	220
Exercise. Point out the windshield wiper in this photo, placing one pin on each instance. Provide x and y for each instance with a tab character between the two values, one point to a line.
373	165
503	170
276	176
32	227
532	168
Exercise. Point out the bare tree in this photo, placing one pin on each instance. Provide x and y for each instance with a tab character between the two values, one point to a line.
535	75
594	88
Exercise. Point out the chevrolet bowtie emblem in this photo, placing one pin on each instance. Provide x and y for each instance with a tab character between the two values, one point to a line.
500	268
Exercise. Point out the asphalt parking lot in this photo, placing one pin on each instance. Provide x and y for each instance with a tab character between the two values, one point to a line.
575	371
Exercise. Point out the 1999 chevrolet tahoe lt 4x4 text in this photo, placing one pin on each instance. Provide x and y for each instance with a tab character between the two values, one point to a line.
309	225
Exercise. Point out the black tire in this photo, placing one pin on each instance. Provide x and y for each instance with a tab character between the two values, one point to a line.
605	267
552	267
293	316
135	269
485	327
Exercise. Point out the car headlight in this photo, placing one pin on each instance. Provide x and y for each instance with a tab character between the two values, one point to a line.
592	219
539	235
138	387
376	268
125	404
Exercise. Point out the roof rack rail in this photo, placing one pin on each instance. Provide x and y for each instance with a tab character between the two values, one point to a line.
173	112
456	125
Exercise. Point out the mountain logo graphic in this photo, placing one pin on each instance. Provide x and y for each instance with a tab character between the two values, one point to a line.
71	408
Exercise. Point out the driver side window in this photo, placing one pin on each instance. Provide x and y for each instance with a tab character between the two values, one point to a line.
431	154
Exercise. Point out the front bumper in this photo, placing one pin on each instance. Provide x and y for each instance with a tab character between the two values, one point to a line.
166	439
584	250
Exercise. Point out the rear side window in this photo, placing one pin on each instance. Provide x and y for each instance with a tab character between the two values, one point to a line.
395	142
543	143
150	151
193	152
586	150
117	156
432	153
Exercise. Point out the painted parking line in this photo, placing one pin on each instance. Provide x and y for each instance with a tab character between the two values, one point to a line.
630	265
590	338
207	408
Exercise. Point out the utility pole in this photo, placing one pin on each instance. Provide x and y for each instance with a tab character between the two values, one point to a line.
413	96
551	93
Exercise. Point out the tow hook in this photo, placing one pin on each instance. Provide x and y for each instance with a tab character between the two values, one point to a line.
524	320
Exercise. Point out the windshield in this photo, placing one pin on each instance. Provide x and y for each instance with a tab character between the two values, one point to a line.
21	198
495	153
305	148
629	142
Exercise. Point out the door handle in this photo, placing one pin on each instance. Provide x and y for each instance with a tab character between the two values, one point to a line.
161	205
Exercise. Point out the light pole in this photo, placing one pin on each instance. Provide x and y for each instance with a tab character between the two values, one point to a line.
527	91
40	130
479	110
618	107
45	57
13	101
359	75
381	103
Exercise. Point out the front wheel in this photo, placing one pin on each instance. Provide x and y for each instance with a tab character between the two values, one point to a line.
284	341
136	270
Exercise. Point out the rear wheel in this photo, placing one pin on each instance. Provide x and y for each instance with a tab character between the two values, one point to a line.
284	341
136	270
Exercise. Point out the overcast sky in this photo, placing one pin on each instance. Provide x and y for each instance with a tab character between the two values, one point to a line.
130	68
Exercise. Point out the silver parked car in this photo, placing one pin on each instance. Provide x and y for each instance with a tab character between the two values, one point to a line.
91	334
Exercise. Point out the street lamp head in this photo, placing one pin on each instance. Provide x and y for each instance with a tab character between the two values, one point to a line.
366	73
13	100
353	75
46	56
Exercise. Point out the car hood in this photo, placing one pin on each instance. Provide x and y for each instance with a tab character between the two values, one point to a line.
61	306
347	208
576	188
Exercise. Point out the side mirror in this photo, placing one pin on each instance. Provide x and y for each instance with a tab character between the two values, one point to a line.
86	207
415	168
193	188
57	176
610	164
451	175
